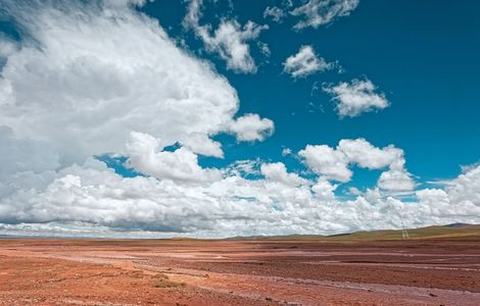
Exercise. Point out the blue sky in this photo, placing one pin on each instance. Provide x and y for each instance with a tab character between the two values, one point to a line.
375	103
422	54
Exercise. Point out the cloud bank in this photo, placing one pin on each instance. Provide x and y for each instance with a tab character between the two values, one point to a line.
92	197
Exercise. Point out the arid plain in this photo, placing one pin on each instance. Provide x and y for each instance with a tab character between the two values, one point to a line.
435	266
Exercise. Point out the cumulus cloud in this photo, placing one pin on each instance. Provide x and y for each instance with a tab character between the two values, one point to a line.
466	187
327	161
277	172
356	97
85	76
365	155
334	163
316	13
324	190
305	62
147	156
396	180
251	127
230	40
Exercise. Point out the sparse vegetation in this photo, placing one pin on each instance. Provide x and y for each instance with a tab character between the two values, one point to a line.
162	281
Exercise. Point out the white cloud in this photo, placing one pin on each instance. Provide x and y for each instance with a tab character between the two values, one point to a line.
286	152
264	48
202	144
316	13
396	180
146	155
275	13
326	161
323	190
440	204
333	163
356	97
7	47
363	153
466	187
251	127
305	62
229	40
437	199
85	76
21	155
277	172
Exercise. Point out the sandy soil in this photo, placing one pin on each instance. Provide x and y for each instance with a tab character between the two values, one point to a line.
186	272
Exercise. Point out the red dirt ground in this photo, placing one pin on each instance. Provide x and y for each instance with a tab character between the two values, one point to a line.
247	272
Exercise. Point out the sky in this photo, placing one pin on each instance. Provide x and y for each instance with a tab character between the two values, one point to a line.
131	118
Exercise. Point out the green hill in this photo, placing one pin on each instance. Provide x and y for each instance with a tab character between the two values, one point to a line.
431	232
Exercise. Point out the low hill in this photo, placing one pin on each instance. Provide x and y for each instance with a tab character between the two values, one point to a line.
431	232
